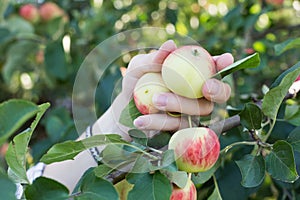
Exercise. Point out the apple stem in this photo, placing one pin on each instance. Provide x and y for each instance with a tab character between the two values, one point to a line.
155	150
190	176
195	52
190	121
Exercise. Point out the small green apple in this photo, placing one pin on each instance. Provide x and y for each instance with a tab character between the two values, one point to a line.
189	192
146	87
186	69
196	149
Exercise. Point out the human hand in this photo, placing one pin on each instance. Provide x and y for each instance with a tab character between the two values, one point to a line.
213	91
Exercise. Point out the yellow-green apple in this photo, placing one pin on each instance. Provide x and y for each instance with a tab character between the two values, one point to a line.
196	149
30	13
189	192
50	11
145	88
186	69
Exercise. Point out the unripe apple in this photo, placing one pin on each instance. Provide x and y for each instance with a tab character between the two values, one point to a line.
189	192
30	13
186	69
196	149
145	88
50	11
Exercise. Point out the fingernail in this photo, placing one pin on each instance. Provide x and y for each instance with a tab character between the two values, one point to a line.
139	122
213	87
160	100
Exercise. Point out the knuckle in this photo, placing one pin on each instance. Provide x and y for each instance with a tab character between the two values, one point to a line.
207	108
135	61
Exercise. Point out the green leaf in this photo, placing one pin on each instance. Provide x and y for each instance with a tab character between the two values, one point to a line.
283	74
280	162
5	35
294	139
179	178
93	187
252	169
168	160
19	25
13	114
55	60
17	149
129	114
292	114
286	45
16	156
133	178
117	155
17	56
290	111
138	136
141	165
159	140
102	170
69	149
8	186
215	195
151	187
273	99
251	116
44	188
202	177
251	61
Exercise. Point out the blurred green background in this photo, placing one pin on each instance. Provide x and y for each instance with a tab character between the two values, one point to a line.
39	58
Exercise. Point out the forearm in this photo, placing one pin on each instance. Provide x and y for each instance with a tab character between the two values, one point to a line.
108	123
69	172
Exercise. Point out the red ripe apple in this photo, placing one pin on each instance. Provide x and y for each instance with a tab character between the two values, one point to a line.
50	11
196	149
186	69
40	57
146	87
189	192
275	2
30	13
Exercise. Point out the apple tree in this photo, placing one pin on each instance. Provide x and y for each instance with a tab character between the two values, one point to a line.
43	45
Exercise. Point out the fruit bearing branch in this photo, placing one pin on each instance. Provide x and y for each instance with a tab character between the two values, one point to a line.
234	121
219	127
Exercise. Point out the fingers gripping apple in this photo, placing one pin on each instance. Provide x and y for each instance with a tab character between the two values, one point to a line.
196	149
186	69
146	87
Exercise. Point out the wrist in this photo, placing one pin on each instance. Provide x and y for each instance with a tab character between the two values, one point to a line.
108	123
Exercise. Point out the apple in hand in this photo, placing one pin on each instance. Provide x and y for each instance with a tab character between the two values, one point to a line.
30	13
186	69
189	192
146	87
196	149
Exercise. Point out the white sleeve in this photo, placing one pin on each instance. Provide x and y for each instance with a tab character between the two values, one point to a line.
32	173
